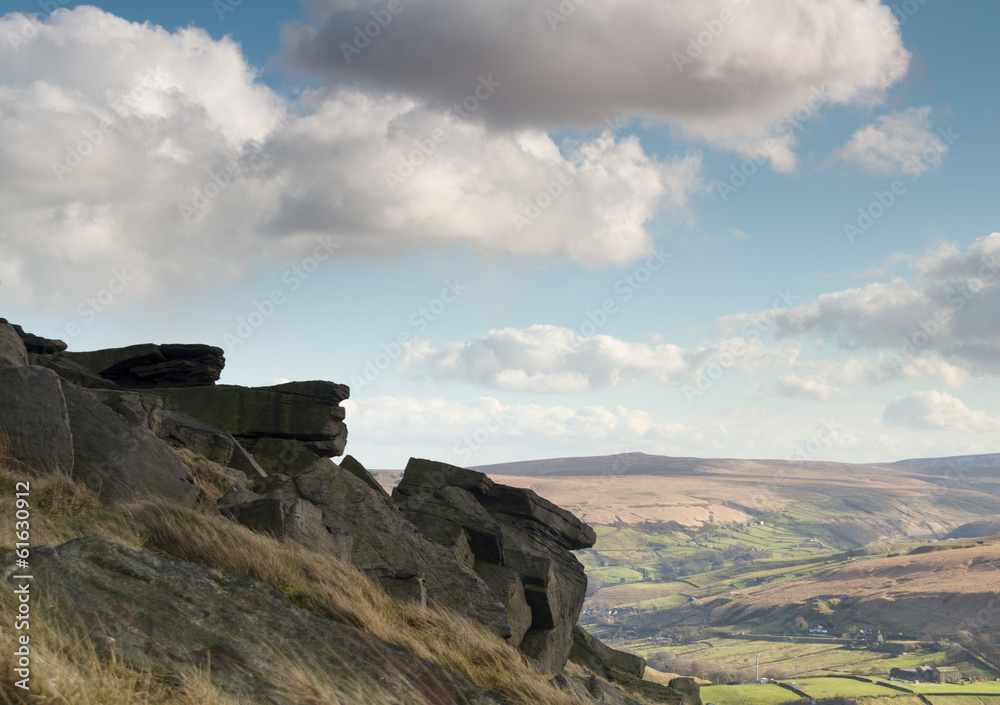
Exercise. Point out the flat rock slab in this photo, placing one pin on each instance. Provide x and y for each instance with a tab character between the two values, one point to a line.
148	365
165	614
308	412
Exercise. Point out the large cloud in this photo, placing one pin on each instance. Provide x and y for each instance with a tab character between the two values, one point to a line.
546	358
116	133
718	68
943	321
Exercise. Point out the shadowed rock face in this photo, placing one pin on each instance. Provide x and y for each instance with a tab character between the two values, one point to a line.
163	614
306	413
122	461
520	544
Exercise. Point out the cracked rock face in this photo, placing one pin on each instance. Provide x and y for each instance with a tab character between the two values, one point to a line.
519	543
160	614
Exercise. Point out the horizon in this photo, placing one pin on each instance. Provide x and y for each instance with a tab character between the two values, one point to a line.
733	230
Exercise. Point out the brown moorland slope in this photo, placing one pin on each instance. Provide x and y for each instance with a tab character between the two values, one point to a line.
938	593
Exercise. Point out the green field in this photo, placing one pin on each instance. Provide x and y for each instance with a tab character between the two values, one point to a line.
866	693
750	694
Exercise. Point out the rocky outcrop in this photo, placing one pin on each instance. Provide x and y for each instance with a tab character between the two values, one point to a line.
161	615
624	670
283	428
384	544
308	415
12	350
516	541
145	366
33	414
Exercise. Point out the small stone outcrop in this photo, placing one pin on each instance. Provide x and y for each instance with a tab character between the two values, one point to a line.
35	344
162	615
516	541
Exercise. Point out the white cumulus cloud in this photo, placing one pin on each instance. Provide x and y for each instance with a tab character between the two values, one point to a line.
897	143
934	410
547	358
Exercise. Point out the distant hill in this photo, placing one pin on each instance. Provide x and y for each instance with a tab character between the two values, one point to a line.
987	526
986	460
853	504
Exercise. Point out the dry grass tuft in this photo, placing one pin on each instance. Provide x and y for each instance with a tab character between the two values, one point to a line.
208	475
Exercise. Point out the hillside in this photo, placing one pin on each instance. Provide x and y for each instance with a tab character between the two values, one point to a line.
851	504
987	526
937	593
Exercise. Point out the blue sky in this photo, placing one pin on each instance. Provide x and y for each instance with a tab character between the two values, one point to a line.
786	312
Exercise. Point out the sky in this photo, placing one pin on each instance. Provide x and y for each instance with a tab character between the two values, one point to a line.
523	229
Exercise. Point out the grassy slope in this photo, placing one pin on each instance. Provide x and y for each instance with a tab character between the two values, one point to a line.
63	509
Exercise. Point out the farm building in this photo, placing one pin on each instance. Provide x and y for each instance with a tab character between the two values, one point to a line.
928	674
946	674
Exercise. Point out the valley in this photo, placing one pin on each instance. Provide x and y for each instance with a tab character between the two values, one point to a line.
704	566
